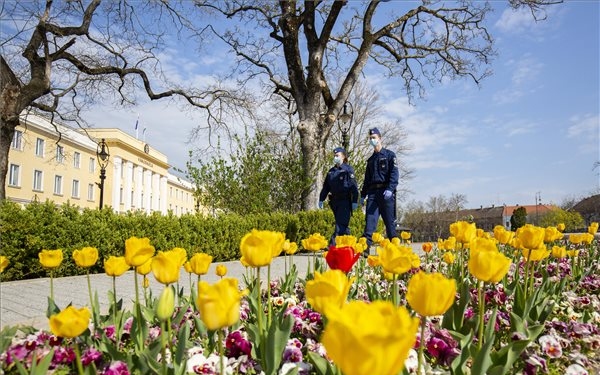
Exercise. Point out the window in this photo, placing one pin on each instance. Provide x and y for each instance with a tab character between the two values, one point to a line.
58	185
92	165
76	159
17	141
75	189
39	147
60	154
13	175
37	180
90	192
121	198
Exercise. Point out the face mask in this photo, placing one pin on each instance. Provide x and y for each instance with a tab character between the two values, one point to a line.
337	160
373	142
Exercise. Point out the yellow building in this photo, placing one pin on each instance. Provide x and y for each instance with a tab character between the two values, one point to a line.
53	161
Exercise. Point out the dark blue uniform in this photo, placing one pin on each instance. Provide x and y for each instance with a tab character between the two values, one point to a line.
341	189
381	175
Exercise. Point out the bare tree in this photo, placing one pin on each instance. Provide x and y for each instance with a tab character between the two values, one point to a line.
61	57
321	41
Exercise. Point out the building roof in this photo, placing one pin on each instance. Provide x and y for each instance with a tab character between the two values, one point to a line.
589	205
530	209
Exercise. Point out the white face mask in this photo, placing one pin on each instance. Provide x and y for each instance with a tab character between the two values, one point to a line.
337	160
374	142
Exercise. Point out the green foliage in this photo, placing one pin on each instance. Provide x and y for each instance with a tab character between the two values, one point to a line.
257	178
571	219
25	231
518	218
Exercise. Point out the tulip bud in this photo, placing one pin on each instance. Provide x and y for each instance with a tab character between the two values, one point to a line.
166	304
221	270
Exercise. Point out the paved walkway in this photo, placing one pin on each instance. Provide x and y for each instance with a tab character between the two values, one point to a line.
25	302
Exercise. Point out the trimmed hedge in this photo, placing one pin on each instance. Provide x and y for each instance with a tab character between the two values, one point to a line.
24	232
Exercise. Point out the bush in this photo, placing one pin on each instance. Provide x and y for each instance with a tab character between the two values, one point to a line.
26	231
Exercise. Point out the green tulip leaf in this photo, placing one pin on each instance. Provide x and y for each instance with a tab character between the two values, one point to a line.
505	358
276	340
482	359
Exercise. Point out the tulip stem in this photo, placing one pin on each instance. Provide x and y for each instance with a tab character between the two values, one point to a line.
52	285
220	339
395	290
89	283
260	313
163	342
137	302
421	359
481	311
269	303
78	358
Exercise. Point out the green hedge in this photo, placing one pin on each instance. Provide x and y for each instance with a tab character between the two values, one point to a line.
24	232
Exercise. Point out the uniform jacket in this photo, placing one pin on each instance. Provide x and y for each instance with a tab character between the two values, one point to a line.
381	170
340	182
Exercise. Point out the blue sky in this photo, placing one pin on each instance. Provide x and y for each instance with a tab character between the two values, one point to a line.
531	128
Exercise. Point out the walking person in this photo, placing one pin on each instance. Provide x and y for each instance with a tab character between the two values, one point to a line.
342	191
379	188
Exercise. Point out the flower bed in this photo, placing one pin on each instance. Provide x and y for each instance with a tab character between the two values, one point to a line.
480	303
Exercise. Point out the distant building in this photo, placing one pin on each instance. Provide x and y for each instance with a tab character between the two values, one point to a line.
49	160
534	213
589	209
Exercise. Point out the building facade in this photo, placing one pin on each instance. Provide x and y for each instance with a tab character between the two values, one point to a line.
48	160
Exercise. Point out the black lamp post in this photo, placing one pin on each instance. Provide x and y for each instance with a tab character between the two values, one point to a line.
102	156
344	122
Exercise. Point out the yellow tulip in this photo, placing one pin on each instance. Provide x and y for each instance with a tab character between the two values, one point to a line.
165	267
448	257
260	246
573	253
219	304
146	282
559	251
535	255
50	258
138	251
449	244
188	267
552	234
405	235
70	322
3	263
373	260
145	268
530	236
427	247
369	338
561	227
488	265
86	257
463	231
396	259
181	254
430	294
396	241
115	266
221	270
200	262
345	241
329	288
290	248
315	242
502	235
166	304
587	238
593	228
377	237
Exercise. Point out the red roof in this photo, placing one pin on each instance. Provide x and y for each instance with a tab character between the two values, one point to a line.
531	208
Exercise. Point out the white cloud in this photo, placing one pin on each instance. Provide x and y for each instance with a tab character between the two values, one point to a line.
515	21
586	126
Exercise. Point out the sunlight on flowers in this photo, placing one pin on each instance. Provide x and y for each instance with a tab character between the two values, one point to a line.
165	267
463	231
138	251
200	263
50	258
3	263
86	257
430	294
315	242
219	303
328	289
115	266
369	338
70	322
260	246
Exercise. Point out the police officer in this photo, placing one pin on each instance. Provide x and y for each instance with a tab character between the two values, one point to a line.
379	187
341	189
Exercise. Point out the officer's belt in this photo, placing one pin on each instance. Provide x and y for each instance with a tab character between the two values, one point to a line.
339	196
378	186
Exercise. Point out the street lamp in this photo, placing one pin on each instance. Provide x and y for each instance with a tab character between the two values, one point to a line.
102	156
344	122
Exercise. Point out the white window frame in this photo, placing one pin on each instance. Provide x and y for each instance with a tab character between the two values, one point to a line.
75	189
38	180
60	154
76	160
92	165
14	175
58	182
40	145
91	192
17	141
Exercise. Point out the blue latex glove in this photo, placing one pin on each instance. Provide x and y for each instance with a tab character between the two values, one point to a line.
387	194
361	202
354	206
321	204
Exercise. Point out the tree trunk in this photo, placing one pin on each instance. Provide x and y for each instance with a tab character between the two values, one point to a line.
7	130
310	140
10	89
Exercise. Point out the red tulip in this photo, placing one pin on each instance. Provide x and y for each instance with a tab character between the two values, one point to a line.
341	258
